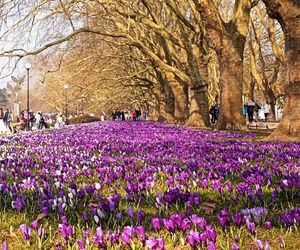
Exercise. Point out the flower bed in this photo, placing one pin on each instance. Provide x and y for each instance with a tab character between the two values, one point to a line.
144	185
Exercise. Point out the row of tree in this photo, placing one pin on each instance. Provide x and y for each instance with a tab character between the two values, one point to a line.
175	56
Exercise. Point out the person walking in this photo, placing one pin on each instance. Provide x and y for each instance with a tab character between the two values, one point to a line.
267	111
9	118
250	110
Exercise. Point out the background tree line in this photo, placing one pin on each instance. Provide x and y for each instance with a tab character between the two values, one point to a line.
174	57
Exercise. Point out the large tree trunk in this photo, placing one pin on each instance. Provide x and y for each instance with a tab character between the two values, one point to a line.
199	116
180	97
231	83
287	13
166	105
289	126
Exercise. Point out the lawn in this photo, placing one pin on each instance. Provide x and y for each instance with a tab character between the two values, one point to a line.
146	185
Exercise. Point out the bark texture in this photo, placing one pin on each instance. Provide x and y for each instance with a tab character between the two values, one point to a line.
288	15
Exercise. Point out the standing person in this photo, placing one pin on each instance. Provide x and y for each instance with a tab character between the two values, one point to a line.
37	120
250	110
133	115
32	119
146	115
256	110
2	125
9	120
123	115
114	115
213	111
42	122
5	116
267	111
102	116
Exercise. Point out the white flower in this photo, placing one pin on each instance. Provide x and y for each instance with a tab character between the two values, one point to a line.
96	219
97	185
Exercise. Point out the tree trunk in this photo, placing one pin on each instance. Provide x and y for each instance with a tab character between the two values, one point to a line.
166	105
180	97
231	83
289	126
287	13
199	116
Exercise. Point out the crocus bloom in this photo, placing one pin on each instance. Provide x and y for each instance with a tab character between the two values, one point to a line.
58	246
260	245
235	246
238	219
223	218
130	212
151	243
141	233
35	224
169	224
155	223
211	246
251	226
140	216
268	225
4	246
26	231
211	233
185	224
161	243
81	244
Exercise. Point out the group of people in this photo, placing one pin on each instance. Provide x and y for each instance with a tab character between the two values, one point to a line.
214	113
252	110
5	121
135	115
27	121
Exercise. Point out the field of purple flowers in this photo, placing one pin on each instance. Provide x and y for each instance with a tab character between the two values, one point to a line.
144	185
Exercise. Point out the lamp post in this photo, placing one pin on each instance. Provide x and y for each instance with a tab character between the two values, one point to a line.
66	86
28	66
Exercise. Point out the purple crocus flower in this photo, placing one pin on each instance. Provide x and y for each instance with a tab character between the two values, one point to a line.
155	223
193	238
268	225
85	216
161	243
58	246
169	225
81	244
211	233
223	218
185	224
260	245
177	219
140	231
65	230
211	246
251	226
4	246
151	243
235	246
198	221
238	219
99	238
130	212
119	216
26	231
40	231
140	216
35	224
126	234
64	220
